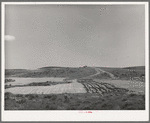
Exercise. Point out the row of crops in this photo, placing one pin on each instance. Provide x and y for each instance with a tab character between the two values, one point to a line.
100	87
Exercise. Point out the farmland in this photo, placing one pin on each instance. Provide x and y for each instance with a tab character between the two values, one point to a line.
86	88
47	88
100	88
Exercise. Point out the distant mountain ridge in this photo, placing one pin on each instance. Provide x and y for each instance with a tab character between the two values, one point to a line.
50	67
136	68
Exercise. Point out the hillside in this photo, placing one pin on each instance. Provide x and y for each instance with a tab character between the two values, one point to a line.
13	72
51	72
135	68
126	73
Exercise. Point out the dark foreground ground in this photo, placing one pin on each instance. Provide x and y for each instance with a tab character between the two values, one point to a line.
87	101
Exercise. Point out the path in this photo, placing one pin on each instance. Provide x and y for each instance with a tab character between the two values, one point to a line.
99	71
110	74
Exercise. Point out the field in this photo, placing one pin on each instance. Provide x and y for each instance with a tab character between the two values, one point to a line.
47	88
100	87
86	88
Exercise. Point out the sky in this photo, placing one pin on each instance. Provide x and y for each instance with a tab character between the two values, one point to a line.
74	35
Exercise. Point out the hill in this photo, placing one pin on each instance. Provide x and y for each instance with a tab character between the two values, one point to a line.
135	68
51	72
126	73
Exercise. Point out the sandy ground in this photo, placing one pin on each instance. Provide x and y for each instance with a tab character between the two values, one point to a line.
73	87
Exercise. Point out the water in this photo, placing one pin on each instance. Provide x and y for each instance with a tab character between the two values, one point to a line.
23	81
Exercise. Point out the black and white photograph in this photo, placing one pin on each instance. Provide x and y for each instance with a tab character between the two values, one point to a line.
84	58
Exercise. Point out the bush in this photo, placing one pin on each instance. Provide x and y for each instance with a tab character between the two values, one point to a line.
66	99
143	97
87	108
132	95
53	97
19	95
107	106
30	96
7	95
9	80
20	101
124	99
47	96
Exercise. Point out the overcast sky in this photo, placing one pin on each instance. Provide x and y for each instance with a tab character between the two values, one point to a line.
74	35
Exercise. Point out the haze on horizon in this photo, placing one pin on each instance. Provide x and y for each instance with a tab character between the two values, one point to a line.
74	35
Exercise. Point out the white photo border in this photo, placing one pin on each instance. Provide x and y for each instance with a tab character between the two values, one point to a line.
65	115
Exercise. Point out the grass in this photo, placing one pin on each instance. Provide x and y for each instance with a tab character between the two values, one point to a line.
111	101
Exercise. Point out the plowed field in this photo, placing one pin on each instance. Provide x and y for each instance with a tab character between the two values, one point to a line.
101	88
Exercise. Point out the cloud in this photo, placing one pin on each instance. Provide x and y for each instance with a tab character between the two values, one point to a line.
9	38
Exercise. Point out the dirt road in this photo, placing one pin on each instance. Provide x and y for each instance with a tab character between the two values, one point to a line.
99	71
110	74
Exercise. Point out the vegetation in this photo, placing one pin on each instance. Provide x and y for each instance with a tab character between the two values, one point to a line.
126	73
48	83
51	72
9	80
12	72
99	96
87	101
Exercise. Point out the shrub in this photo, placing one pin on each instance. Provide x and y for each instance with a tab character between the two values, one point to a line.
47	107
30	96
107	106
66	99
19	95
7	95
47	96
87	108
20	101
124	99
143	97
53	97
9	80
132	95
